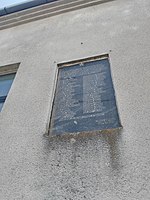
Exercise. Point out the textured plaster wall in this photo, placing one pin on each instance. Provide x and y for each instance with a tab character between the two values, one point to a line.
104	167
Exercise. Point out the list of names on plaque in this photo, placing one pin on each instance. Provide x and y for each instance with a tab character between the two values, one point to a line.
84	99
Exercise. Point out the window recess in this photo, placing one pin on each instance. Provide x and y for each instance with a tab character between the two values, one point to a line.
7	75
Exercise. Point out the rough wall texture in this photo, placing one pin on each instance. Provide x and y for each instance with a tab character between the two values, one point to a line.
104	167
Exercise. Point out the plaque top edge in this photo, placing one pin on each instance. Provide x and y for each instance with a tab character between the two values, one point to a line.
83	60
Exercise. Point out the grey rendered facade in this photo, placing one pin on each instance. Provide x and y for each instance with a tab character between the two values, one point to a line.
103	167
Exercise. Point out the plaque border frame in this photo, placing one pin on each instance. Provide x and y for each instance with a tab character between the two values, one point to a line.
83	133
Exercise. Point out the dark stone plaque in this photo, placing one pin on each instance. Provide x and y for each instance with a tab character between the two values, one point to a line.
84	99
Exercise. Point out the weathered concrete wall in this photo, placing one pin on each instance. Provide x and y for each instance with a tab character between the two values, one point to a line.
104	167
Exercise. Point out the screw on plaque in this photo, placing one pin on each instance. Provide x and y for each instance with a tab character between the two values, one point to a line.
81	64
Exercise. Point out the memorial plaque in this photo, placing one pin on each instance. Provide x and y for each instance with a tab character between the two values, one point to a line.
84	99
